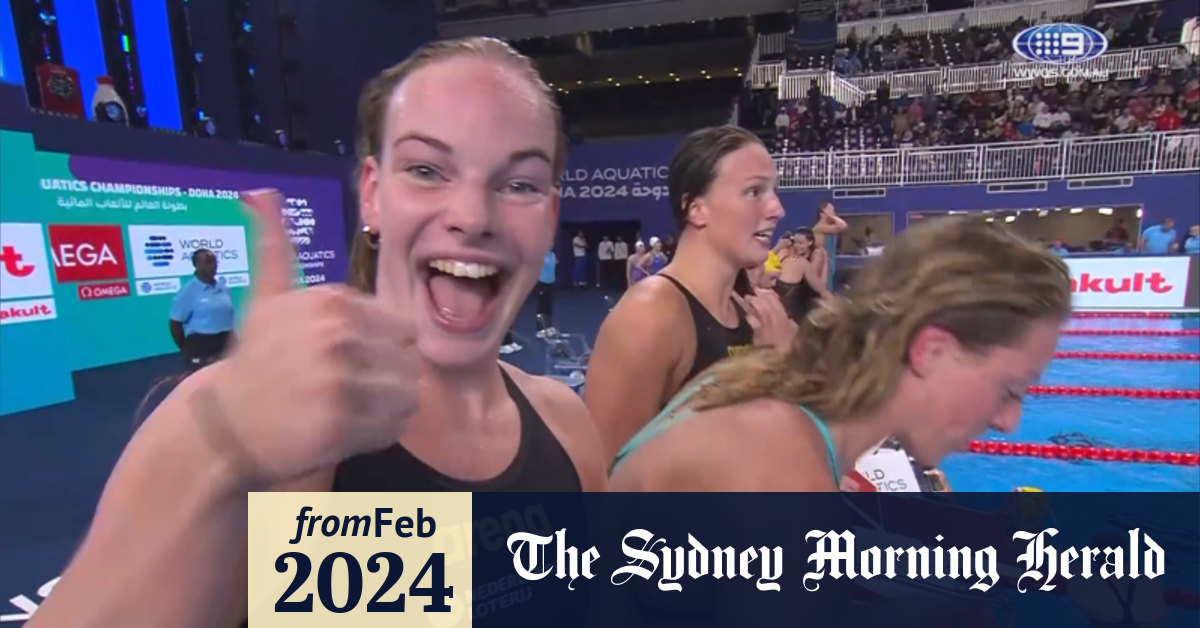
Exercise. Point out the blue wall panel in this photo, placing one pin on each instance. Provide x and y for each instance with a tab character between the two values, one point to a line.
156	62
79	32
10	57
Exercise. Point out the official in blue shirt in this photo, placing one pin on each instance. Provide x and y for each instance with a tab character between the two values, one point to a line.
1160	240
1059	249
545	294
1191	245
202	313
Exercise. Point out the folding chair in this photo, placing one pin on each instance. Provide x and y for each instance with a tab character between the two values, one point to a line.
567	356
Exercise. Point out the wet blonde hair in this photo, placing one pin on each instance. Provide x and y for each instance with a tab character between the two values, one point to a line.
372	115
979	282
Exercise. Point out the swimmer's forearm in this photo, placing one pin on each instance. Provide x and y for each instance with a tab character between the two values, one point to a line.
164	543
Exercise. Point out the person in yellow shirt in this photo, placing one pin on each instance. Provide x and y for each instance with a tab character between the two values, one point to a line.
775	256
773	263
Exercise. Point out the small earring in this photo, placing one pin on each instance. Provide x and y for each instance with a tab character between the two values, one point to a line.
372	237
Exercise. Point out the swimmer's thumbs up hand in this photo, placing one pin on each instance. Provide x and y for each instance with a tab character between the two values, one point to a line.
274	267
317	375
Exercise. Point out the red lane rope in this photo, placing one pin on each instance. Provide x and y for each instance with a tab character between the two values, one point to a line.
1089	391
1117	355
1131	332
1079	452
1155	315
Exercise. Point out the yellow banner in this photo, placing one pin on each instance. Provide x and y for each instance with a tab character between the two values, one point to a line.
359	560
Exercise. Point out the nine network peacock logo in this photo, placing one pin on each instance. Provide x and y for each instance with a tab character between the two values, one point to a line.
1060	51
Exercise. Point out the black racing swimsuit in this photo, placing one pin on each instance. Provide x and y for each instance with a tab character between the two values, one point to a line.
714	341
541	465
797	298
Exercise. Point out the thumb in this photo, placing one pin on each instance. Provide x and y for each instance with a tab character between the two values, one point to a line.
741	301
748	302
752	315
273	255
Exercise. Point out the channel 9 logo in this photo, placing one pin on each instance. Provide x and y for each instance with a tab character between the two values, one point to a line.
1060	44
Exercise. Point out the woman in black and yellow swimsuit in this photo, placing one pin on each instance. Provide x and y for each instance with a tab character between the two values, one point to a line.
799	284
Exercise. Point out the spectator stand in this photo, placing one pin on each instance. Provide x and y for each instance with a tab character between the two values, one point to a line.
1153	153
974	35
1133	90
854	90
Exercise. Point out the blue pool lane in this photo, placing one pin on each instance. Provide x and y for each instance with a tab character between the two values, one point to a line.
1169	425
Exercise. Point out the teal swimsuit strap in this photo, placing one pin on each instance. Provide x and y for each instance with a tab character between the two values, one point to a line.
664	419
830	452
669	416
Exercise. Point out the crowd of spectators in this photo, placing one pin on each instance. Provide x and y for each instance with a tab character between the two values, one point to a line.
1160	101
1125	27
1156	239
1165	99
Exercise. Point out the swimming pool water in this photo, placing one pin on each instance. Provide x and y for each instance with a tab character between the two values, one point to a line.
1172	425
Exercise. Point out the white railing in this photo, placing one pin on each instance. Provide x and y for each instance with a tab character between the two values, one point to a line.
1175	151
765	75
755	53
854	90
772	44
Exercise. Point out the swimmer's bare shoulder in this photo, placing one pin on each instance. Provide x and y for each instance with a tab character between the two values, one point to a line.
568	419
763	445
652	300
648	317
640	357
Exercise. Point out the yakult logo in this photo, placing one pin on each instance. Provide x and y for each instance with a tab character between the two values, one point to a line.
1128	282
24	272
26	293
1138	282
13	262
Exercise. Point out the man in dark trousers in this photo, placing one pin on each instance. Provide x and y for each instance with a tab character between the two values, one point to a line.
545	295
